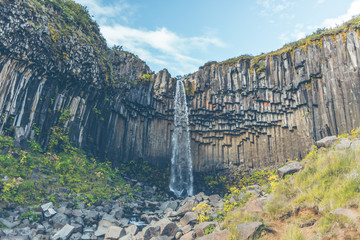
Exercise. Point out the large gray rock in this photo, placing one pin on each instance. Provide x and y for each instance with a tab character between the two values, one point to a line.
187	207
327	142
102	228
189	218
114	233
290	169
64	233
347	212
221	235
59	220
167	228
169	204
344	143
132	229
201	228
149	232
9	224
188	236
248	230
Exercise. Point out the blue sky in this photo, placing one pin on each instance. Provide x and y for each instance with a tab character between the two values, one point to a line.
183	35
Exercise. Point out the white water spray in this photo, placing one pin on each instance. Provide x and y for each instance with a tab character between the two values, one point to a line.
181	178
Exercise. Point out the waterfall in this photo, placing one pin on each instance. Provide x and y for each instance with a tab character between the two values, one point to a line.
181	177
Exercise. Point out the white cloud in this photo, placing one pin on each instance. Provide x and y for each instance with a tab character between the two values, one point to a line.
106	11
295	35
161	46
272	7
352	11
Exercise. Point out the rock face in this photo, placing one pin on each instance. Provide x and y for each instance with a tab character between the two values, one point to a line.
245	113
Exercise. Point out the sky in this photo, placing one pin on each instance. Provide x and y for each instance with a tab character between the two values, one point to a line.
182	35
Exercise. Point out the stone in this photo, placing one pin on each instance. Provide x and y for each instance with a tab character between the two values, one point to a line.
187	207
221	235
169	204
355	145
347	212
114	233
15	238
327	142
178	235
49	212
188	236
90	217
64	233
46	206
75	236
189	218
167	228
248	230
201	228
150	231
344	143
119	213
132	229
77	213
186	229
290	169
59	220
9	224
102	228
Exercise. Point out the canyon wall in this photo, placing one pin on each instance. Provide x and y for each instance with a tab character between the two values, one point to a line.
252	117
244	113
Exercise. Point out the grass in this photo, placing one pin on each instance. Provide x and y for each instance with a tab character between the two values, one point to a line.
30	177
293	233
257	63
330	179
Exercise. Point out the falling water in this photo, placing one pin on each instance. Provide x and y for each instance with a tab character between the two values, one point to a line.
181	178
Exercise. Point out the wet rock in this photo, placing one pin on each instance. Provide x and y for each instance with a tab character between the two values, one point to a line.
290	169
248	230
64	233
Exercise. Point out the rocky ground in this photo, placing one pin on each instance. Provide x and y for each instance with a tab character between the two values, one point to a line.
145	217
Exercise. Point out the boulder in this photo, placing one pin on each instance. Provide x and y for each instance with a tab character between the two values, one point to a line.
221	235
167	228
201	228
102	228
64	233
344	143
189	218
187	207
59	220
189	236
290	169
248	230
132	229
326	142
169	204
355	145
114	233
347	212
9	224
149	231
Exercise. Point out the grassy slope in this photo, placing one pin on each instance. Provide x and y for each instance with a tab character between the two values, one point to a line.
330	180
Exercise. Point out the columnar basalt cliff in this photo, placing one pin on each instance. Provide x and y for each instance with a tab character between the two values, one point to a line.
259	112
245	113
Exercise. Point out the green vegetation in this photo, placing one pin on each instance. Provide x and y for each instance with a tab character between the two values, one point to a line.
293	233
29	177
32	176
257	63
145	172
